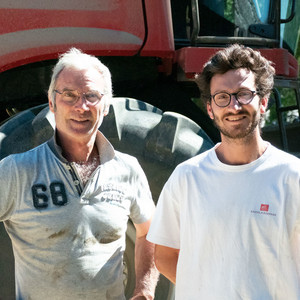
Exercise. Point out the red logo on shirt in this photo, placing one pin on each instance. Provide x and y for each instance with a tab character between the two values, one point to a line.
264	207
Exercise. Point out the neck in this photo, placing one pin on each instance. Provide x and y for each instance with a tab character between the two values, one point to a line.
78	151
240	151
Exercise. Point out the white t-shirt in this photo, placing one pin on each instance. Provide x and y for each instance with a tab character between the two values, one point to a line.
68	240
237	227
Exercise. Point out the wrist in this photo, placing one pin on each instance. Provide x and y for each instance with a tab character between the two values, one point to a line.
142	296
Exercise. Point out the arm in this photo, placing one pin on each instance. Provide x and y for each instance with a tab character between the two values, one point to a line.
166	261
145	270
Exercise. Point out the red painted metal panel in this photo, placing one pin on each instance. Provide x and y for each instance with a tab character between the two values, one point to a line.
36	30
192	59
160	39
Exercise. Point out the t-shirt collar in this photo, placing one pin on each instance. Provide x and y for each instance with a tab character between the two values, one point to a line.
105	148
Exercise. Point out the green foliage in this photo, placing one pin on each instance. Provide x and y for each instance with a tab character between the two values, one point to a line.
297	53
290	30
229	10
288	98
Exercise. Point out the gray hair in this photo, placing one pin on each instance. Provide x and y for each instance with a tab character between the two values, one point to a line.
75	58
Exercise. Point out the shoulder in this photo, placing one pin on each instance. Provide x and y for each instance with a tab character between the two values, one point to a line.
120	156
191	168
196	161
127	160
24	159
283	163
283	158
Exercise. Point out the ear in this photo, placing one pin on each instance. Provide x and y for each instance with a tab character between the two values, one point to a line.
106	105
264	105
51	105
209	110
106	110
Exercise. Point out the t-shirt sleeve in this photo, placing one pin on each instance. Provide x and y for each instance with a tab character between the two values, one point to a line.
143	206
293	213
165	226
8	188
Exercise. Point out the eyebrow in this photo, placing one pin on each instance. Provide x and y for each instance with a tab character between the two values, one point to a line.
236	91
67	89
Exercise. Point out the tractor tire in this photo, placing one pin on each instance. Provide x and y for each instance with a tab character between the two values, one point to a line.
160	141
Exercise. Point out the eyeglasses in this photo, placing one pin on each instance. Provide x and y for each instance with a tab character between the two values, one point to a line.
223	99
72	96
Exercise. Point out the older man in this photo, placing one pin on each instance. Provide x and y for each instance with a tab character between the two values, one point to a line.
66	203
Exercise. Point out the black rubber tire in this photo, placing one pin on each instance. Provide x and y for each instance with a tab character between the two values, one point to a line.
160	141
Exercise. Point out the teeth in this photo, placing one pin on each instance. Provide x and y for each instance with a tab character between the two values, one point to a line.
235	119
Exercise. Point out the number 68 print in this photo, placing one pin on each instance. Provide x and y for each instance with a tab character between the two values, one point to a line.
40	195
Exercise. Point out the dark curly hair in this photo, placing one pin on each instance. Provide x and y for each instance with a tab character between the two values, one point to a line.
236	57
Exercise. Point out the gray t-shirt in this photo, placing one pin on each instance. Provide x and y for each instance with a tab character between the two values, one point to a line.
68	240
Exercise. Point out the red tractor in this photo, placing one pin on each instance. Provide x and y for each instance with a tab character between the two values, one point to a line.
153	49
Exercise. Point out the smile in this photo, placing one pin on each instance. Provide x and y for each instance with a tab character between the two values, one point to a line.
235	118
80	120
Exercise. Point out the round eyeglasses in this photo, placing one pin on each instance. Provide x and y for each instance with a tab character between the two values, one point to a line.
243	97
72	96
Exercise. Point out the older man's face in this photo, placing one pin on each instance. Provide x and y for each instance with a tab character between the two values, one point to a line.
78	121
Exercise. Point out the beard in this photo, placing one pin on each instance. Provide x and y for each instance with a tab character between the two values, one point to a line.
240	132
